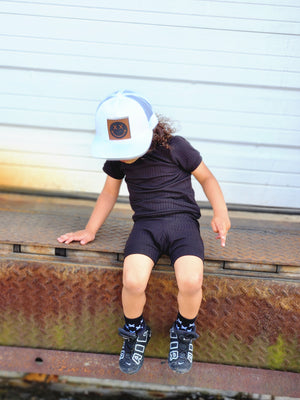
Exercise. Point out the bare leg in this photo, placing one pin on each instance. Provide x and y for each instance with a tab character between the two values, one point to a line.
189	276
136	272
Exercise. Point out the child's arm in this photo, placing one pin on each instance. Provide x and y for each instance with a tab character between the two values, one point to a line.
103	207
220	222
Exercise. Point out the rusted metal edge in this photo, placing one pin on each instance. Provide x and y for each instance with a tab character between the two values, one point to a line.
56	254
103	366
259	245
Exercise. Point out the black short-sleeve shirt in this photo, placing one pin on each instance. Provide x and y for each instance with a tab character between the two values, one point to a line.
159	183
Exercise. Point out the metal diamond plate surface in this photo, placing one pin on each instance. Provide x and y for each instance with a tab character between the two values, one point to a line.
243	245
67	298
65	306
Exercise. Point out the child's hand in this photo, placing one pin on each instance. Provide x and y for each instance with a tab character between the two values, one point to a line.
83	237
221	225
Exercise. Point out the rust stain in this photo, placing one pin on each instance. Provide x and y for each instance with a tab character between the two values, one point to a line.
70	307
42	229
208	375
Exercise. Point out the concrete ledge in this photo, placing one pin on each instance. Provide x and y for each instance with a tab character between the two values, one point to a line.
155	371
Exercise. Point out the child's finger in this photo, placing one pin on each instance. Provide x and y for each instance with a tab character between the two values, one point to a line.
81	236
75	237
61	239
66	238
222	236
223	239
214	226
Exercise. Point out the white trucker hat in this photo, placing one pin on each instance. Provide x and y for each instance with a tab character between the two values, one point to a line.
124	126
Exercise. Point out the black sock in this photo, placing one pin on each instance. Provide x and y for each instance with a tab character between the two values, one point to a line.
134	325
185	324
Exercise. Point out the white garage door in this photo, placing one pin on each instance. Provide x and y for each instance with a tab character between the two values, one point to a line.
228	71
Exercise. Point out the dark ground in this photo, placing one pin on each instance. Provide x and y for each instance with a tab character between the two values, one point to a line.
44	392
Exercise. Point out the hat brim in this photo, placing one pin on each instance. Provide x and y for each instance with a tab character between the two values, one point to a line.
122	149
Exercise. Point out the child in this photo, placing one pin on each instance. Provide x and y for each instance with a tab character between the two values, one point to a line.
157	168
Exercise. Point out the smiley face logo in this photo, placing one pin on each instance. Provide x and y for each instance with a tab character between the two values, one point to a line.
118	129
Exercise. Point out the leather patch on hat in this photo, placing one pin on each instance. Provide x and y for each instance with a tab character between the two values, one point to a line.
118	129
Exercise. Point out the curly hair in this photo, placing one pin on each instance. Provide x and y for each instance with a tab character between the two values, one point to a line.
162	133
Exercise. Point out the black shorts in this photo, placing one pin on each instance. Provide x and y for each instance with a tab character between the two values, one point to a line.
174	235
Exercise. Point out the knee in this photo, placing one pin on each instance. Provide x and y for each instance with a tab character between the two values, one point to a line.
136	273
133	285
190	285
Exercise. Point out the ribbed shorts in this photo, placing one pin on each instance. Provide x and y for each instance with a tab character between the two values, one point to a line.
174	235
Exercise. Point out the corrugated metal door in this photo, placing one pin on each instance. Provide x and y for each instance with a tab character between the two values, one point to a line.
228	71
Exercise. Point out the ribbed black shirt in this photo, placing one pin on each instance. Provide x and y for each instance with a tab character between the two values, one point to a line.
159	183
